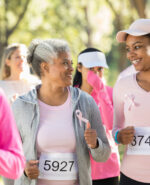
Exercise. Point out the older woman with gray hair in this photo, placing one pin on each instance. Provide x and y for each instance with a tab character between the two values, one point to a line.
59	125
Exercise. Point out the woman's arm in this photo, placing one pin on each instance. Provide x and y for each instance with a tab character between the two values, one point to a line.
12	160
122	134
102	152
118	121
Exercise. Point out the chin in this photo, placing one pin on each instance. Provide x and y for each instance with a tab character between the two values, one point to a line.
68	84
20	70
138	68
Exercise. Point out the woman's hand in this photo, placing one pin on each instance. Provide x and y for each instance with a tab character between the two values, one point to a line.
125	136
95	81
90	136
31	169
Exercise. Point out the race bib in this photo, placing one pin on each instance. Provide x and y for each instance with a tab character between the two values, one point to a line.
141	142
58	166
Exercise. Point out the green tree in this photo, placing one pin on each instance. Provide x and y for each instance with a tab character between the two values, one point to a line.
123	18
83	23
11	14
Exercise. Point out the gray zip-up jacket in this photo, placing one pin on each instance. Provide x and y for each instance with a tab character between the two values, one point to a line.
26	112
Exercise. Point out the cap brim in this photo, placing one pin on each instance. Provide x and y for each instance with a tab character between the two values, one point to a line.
96	64
121	35
93	59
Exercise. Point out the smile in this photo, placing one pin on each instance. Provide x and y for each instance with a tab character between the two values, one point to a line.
69	76
136	61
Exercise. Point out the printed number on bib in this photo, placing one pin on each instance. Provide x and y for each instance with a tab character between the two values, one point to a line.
58	166
63	166
141	142
138	140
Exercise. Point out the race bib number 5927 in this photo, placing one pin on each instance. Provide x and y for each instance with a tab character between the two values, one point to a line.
58	166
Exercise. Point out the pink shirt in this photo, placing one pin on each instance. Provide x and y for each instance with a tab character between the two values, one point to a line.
103	96
12	161
132	108
56	134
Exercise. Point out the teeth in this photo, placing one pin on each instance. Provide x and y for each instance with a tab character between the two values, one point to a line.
135	61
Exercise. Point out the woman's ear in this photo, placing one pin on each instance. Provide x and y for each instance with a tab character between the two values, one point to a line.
7	62
79	67
44	68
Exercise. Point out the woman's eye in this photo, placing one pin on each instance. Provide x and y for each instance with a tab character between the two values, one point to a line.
91	69
137	47
127	49
18	57
65	63
100	69
68	63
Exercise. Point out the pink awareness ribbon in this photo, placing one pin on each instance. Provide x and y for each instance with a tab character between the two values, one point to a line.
81	119
131	100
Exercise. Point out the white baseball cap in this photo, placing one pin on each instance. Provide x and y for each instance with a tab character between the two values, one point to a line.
93	59
137	28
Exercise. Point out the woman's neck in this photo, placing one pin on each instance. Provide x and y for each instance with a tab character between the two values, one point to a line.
143	79
86	87
144	76
14	77
53	95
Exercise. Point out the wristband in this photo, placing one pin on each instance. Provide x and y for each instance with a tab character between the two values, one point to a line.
116	134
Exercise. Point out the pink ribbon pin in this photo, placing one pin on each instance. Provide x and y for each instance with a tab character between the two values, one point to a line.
131	100
81	119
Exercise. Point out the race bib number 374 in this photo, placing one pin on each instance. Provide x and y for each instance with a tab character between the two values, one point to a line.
141	142
58	166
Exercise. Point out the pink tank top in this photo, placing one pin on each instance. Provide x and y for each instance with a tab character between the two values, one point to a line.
56	134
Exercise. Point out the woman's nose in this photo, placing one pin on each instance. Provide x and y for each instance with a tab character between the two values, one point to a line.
131	55
21	60
70	67
94	69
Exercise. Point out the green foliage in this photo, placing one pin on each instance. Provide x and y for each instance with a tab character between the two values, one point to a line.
82	23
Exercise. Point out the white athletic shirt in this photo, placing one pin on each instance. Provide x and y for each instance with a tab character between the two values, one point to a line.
14	88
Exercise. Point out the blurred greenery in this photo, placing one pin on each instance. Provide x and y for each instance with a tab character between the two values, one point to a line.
121	151
83	23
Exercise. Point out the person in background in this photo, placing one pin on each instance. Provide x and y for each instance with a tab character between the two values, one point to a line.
88	77
59	125
15	77
132	105
12	161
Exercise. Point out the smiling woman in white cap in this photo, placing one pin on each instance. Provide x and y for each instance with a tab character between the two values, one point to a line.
88	78
132	105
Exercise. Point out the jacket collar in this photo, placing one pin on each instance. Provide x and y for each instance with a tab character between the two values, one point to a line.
31	96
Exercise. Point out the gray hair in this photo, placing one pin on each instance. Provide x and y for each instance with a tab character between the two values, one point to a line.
45	51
